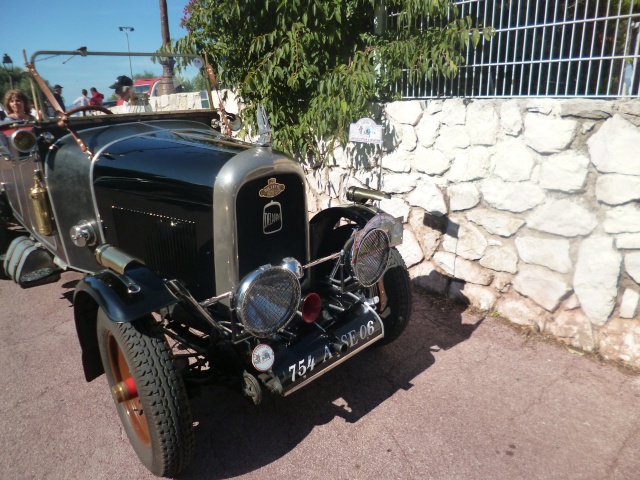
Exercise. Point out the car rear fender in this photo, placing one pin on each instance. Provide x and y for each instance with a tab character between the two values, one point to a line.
108	290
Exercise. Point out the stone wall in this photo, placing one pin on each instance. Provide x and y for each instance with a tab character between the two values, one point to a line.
528	208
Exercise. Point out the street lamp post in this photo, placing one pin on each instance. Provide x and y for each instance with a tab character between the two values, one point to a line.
6	60
126	31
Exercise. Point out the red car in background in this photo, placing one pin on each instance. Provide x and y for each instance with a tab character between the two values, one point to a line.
147	85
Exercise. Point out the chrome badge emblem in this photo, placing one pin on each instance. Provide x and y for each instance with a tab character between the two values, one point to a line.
272	218
272	189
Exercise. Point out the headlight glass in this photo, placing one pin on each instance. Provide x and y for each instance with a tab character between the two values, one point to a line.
267	299
369	256
24	140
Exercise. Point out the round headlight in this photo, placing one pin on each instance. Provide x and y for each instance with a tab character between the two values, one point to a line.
267	299
369	256
23	140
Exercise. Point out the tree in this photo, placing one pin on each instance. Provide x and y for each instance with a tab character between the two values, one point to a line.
19	79
316	65
166	86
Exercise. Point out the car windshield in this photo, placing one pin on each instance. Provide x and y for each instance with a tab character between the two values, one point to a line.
109	80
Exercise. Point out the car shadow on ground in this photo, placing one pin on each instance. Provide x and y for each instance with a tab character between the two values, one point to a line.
234	437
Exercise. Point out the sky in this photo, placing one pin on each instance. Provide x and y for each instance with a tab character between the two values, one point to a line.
35	25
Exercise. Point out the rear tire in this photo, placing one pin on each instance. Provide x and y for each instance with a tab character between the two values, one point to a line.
157	420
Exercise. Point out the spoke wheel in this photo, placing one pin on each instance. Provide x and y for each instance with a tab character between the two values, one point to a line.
155	412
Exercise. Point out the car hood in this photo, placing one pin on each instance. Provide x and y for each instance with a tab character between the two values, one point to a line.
103	138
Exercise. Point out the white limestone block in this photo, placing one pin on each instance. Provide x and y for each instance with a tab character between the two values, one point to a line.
430	161
428	197
501	259
462	269
619	339
572	327
547	252
463	196
471	164
494	222
513	197
616	189
632	265
547	134
510	117
426	276
483	298
566	171
410	249
520	309
482	122
543	286
629	304
453	112
596	277
427	130
623	219
513	161
397	161
628	241
434	107
334	186
614	148
405	112
409	139
396	207
464	239
451	139
562	217
398	183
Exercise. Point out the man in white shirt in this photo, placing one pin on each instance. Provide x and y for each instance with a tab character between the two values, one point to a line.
82	100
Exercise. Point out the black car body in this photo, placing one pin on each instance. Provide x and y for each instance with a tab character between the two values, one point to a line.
201	265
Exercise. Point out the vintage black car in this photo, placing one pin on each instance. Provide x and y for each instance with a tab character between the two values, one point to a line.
201	264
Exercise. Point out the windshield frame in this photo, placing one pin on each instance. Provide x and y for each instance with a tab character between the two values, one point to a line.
39	87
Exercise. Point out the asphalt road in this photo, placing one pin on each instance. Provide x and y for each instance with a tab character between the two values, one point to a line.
456	397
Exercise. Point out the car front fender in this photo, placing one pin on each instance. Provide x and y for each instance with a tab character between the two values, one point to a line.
323	222
108	291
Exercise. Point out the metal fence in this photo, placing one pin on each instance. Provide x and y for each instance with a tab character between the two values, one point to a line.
544	48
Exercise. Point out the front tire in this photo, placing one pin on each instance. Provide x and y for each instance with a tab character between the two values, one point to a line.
393	289
158	419
396	295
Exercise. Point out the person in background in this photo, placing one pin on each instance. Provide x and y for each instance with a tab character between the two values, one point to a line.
96	97
82	100
16	104
57	93
123	87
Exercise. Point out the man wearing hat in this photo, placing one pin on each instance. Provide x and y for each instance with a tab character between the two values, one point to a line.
57	93
123	89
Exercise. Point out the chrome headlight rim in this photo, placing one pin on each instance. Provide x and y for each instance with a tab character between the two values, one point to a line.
366	242
285	289
24	140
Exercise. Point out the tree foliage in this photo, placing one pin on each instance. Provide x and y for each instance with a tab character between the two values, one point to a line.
19	79
316	65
